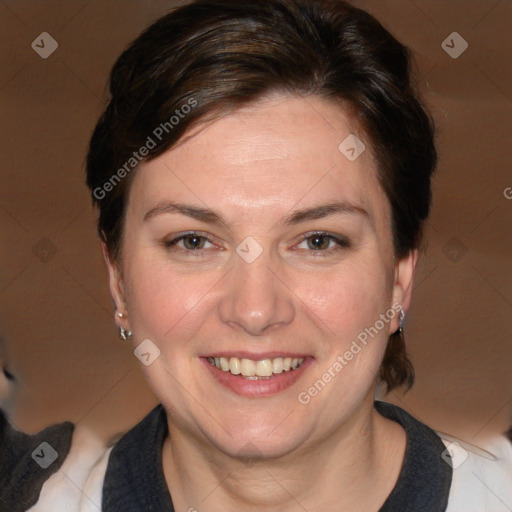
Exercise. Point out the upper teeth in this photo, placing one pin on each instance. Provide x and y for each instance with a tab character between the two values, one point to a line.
250	368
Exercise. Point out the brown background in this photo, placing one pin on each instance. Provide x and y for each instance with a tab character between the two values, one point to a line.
56	315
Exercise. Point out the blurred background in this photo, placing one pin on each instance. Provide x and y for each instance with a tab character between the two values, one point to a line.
58	336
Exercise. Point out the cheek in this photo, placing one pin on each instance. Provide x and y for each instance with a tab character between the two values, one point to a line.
348	300
163	302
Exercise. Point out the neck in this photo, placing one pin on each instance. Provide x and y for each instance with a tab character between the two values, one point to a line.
354	468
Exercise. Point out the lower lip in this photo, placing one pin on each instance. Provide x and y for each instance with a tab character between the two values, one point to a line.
261	387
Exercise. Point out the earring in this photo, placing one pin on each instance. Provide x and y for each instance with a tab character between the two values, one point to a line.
124	334
401	321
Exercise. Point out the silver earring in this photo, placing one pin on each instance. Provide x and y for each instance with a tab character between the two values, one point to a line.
124	334
401	321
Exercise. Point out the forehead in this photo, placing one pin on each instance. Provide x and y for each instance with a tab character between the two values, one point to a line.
266	158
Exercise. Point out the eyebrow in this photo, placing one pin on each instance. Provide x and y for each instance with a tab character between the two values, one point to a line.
202	214
209	216
324	210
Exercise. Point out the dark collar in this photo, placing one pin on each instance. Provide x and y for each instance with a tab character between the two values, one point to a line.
135	480
425	479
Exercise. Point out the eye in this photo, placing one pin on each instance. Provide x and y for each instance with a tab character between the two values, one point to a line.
188	242
323	242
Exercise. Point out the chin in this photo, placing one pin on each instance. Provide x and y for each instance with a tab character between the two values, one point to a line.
257	440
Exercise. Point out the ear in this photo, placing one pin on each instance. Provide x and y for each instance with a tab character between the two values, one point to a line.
403	283
116	284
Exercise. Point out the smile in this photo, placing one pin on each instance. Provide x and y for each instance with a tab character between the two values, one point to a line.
251	369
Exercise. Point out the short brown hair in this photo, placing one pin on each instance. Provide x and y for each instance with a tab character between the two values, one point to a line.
220	55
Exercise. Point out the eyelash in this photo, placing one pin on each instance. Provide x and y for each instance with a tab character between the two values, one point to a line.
341	243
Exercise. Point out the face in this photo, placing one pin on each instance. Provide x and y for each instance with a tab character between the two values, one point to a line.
254	245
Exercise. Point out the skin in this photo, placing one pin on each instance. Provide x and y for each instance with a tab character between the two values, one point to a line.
255	167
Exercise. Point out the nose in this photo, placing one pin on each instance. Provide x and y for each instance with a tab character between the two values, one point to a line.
256	299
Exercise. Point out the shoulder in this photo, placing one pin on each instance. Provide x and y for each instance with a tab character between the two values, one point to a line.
482	475
54	470
76	486
84	464
28	461
473	478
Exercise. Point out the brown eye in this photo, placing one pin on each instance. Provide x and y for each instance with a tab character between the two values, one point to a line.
189	242
193	242
318	242
323	244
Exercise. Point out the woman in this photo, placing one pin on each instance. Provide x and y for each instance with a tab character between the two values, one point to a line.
262	174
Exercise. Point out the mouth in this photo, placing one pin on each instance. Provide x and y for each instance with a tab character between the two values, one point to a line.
259	375
256	369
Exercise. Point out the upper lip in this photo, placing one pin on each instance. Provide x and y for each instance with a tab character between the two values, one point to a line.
256	356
